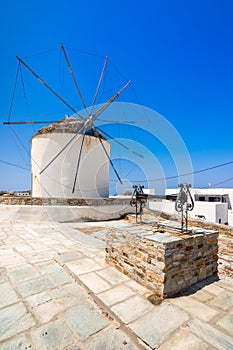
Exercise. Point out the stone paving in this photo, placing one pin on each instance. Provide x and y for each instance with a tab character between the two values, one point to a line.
58	293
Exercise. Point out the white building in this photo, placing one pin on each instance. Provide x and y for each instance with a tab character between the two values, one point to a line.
211	204
56	149
21	194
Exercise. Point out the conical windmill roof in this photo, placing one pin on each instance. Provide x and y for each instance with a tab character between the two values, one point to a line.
70	125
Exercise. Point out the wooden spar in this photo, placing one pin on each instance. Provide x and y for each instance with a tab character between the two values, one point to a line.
112	99
37	122
99	83
74	79
106	153
119	143
78	162
48	87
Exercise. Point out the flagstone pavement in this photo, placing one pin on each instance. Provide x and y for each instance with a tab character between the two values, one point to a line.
57	292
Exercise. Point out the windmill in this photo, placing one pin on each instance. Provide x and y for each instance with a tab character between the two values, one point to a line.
71	157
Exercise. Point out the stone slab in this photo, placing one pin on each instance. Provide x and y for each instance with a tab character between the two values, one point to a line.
67	290
7	295
13	320
69	295
202	296
35	286
226	323
212	288
132	308
38	299
226	284
184	340
19	343
3	276
70	256
94	282
108	339
162	238
60	277
138	288
23	273
55	335
83	266
46	311
211	335
86	320
116	295
156	326
224	301
49	268
8	257
195	308
112	276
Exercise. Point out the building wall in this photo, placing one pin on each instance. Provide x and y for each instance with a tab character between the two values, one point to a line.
57	180
212	210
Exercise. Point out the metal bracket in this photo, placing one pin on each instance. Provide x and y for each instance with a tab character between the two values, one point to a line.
138	200
184	204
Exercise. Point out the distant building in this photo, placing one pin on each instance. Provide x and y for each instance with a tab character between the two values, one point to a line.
211	204
21	194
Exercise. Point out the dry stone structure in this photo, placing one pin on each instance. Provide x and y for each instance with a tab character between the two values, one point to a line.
163	260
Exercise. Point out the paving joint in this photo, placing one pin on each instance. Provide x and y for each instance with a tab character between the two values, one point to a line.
54	276
106	310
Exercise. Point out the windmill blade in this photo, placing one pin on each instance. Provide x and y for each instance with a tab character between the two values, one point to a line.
99	84
112	99
60	152
74	79
78	163
120	143
48	87
125	122
101	142
36	122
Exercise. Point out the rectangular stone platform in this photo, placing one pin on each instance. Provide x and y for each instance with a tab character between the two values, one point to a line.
163	259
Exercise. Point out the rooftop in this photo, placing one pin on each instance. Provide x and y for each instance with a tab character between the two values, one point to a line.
57	292
69	124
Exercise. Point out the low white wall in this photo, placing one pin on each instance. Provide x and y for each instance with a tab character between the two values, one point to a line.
212	212
164	206
63	213
207	211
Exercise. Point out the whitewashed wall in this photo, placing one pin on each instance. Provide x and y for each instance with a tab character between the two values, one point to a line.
57	180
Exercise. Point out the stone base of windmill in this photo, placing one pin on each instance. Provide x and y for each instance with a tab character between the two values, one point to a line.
166	262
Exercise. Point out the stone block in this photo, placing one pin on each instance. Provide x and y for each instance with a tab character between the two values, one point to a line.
132	308
110	338
13	320
116	295
165	262
8	295
211	335
226	323
195	308
54	335
157	325
86	320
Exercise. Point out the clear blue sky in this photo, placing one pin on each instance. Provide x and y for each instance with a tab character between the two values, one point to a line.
178	55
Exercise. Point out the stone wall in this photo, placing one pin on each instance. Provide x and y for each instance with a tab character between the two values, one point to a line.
225	246
165	262
17	200
225	253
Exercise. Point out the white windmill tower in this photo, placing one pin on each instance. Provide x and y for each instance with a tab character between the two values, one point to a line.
70	158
